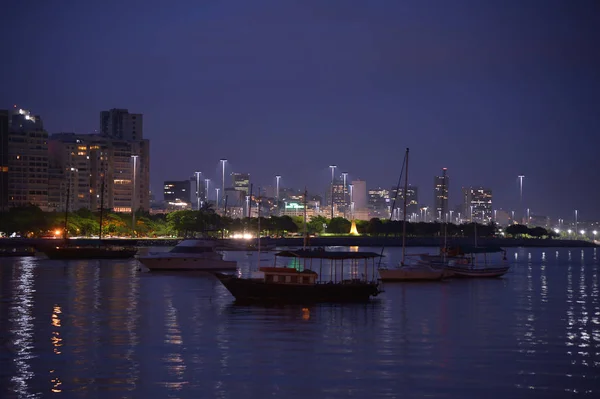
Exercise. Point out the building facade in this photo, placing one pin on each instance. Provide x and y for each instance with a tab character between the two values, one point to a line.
412	200
27	164
119	124
177	194
83	164
441	185
478	204
359	194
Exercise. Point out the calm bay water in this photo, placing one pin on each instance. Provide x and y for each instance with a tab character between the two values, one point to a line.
104	329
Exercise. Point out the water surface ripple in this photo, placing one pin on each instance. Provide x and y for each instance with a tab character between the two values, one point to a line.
104	329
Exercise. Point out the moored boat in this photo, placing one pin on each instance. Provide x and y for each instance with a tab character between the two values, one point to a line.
189	255
291	285
476	262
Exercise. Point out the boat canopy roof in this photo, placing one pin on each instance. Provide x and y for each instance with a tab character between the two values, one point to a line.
468	249
321	254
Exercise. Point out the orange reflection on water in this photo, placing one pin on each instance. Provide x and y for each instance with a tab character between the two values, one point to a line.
55	319
305	314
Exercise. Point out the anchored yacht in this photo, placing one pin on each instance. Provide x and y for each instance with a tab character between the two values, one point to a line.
189	255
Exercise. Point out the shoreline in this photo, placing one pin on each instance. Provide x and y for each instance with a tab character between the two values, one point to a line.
363	241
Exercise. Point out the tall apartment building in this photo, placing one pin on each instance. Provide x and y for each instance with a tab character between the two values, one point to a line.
412	200
3	160
82	162
441	185
130	158
478	204
177	194
119	124
359	194
27	156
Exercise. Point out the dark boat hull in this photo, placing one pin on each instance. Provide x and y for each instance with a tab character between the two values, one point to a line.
88	253
489	272
258	291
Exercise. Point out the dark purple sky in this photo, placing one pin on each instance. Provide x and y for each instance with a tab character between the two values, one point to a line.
489	89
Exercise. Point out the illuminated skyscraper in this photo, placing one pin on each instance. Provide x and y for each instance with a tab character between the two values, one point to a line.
440	195
27	160
478	204
241	182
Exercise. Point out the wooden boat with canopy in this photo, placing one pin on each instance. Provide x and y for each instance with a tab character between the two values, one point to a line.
341	277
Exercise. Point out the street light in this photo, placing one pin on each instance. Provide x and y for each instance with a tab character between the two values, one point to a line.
521	192
575	219
277	178
198	189
133	194
206	183
332	167
351	186
223	162
582	232
344	176
217	197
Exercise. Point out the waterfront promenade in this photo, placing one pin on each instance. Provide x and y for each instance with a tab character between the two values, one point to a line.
346	241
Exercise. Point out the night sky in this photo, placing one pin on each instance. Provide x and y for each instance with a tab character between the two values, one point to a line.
488	89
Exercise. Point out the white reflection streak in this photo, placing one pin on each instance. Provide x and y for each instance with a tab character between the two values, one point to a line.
22	330
583	316
132	318
57	343
530	324
174	360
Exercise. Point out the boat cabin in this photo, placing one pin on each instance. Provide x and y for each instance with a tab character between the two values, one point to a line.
288	275
194	247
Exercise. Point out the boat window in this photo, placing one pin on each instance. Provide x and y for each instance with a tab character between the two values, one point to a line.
299	279
190	250
306	280
288	279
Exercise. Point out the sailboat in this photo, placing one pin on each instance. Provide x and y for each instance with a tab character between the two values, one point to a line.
418	271
69	250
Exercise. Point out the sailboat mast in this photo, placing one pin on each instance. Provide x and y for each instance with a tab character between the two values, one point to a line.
404	213
65	235
258	232
304	221
101	206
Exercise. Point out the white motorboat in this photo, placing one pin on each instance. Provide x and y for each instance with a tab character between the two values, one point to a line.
189	255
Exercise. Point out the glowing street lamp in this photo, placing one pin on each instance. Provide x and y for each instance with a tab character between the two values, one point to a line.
582	232
277	178
332	167
594	233
521	192
569	231
223	162
217	189
206	184
133	194
198	189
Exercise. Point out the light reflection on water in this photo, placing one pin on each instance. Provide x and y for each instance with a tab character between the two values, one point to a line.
104	329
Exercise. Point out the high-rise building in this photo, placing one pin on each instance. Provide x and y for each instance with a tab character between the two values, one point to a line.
441	185
241	182
27	160
87	160
359	194
412	200
3	160
478	204
379	202
131	158
119	124
177	194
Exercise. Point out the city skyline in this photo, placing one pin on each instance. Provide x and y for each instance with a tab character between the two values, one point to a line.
468	93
